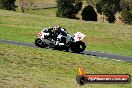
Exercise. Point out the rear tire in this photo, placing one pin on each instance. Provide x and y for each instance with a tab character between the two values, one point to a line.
40	43
77	46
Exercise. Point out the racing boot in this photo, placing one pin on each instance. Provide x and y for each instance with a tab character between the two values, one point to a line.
57	42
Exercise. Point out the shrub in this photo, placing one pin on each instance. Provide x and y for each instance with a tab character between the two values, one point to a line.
89	14
8	4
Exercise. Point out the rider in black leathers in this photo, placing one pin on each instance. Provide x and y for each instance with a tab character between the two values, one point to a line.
55	31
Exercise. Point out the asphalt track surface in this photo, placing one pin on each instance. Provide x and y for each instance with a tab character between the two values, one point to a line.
90	53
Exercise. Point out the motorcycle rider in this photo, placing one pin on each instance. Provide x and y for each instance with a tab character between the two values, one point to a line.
56	33
59	32
50	31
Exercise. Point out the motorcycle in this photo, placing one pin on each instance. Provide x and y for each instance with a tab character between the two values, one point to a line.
66	41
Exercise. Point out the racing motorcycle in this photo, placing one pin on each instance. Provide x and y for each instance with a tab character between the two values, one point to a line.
66	41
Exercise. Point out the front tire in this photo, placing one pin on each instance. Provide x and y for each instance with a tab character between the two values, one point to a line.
40	43
77	46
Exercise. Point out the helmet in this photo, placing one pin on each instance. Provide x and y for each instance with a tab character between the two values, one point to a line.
57	28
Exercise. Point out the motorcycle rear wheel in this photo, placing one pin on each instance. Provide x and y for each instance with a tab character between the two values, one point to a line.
77	46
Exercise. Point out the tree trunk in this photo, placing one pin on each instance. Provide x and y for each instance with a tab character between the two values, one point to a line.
22	8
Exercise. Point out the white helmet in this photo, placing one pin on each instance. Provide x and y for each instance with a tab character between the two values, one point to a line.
57	28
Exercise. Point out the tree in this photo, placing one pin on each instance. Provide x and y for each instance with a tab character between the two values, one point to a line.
126	11
108	8
8	4
91	2
23	4
31	2
89	14
68	8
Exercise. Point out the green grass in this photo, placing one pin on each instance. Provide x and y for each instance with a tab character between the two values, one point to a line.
50	12
25	67
102	37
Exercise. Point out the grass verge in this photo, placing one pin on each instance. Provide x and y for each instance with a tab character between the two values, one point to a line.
24	67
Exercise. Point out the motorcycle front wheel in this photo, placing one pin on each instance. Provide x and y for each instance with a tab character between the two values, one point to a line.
40	43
